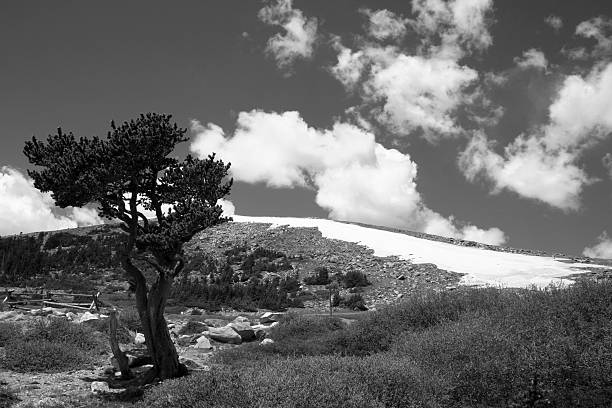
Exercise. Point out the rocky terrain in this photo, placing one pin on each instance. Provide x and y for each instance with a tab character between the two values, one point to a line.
392	278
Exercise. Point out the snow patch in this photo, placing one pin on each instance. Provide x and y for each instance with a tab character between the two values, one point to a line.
480	266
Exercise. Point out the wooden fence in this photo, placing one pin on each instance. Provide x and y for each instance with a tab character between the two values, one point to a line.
24	300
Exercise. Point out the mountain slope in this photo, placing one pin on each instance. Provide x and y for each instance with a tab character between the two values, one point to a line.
478	265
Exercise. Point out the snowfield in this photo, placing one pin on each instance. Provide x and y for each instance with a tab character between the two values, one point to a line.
481	266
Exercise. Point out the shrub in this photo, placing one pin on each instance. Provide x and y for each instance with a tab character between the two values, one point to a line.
354	279
303	382
44	355
9	332
354	302
193	327
130	319
320	277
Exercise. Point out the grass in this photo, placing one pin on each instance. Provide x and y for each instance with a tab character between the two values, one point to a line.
465	348
52	346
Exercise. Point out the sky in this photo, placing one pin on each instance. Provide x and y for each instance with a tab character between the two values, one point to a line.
486	120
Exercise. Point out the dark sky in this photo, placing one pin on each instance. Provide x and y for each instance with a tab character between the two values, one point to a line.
80	64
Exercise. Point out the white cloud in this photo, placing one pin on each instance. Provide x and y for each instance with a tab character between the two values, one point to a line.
421	91
582	111
406	92
532	58
450	29
603	249
356	179
384	24
229	209
607	163
298	39
554	21
544	164
26	209
600	30
418	92
527	168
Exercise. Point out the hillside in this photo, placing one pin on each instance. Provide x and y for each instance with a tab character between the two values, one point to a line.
232	258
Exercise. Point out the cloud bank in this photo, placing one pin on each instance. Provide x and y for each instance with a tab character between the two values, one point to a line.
356	178
26	209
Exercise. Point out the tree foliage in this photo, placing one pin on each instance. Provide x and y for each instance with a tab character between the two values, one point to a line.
130	174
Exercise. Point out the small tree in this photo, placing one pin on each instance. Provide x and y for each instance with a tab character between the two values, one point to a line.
128	172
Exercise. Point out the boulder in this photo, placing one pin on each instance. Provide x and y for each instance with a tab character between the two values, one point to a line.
244	329
224	335
99	387
260	330
270	317
139	338
265	342
71	316
203	343
241	319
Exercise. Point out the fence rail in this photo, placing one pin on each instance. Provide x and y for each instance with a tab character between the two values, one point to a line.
18	300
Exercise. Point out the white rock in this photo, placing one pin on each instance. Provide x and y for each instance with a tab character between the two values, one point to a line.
224	335
203	343
270	317
87	316
139	338
71	316
265	342
99	387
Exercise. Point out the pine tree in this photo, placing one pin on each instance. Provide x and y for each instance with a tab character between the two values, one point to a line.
128	172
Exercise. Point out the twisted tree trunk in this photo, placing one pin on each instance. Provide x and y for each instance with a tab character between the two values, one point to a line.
151	304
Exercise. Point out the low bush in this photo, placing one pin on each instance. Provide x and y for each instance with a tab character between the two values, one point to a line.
9	332
354	279
53	345
130	319
45	356
354	302
303	382
471	347
320	277
193	327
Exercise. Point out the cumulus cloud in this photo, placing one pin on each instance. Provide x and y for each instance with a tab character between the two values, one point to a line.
423	90
450	29
543	165
532	58
554	21
600	30
527	168
384	24
356	178
26	209
603	248
300	32
229	209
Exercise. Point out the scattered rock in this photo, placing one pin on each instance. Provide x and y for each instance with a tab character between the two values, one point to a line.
203	343
184	340
99	387
224	335
270	317
244	329
265	342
